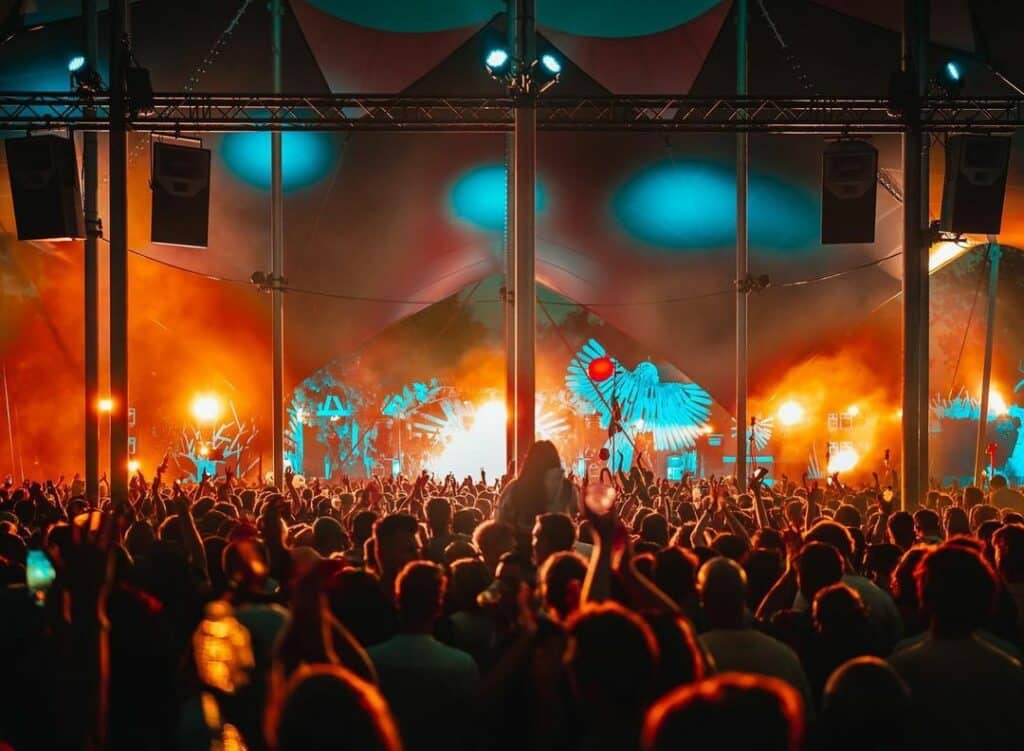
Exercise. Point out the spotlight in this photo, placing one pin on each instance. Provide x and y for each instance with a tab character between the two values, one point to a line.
206	408
997	404
133	466
495	53
547	71
853	410
552	64
791	413
495	59
949	78
105	405
85	80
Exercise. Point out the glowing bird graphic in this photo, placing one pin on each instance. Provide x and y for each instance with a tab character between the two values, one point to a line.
762	432
673	413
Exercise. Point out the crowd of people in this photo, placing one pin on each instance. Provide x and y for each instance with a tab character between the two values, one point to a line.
540	611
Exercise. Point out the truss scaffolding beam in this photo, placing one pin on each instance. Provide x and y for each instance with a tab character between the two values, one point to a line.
180	113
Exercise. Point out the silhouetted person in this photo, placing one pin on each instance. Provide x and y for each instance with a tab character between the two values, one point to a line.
966	693
729	711
327	708
422	679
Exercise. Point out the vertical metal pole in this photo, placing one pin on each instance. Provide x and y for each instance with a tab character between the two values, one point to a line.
277	255
10	423
90	187
913	248
118	174
742	153
508	296
994	254
524	164
924	358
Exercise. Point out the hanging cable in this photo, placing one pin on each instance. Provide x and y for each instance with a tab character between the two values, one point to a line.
837	274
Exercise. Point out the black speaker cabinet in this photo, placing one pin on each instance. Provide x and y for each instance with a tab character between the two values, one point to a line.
181	195
849	171
975	184
44	183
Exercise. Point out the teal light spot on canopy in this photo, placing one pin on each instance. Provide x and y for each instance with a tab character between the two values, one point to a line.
305	158
478	197
599	18
691	205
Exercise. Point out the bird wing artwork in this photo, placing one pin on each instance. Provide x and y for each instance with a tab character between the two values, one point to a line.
589	397
762	432
674	413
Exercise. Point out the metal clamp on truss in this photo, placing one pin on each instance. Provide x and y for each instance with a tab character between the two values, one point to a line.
751	283
268	282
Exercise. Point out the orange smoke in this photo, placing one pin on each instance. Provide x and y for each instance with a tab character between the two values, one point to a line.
842	384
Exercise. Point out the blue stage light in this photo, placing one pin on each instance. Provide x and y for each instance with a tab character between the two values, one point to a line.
953	71
306	158
551	63
478	197
690	205
496	58
76	63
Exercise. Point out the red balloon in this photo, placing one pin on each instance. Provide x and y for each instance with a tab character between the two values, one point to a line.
601	369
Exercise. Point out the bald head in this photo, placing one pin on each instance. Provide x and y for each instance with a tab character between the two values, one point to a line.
722	585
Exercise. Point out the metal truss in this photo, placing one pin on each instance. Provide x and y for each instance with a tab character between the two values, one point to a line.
204	113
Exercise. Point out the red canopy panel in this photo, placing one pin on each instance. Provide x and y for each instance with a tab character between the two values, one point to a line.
357	59
664	63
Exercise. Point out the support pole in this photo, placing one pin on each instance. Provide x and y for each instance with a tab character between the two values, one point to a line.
924	343
508	295
93	231
994	254
524	167
742	153
914	272
277	255
118	174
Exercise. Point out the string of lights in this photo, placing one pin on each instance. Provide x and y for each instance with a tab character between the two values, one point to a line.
204	65
218	46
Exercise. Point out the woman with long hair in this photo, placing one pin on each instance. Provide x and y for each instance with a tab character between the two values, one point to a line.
540	488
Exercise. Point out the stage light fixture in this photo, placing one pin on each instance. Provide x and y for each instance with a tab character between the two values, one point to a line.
76	63
791	413
948	79
133	466
546	71
496	58
206	408
551	63
496	53
105	405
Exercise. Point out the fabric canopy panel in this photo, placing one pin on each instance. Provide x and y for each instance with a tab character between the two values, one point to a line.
640	227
